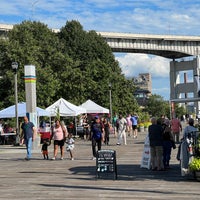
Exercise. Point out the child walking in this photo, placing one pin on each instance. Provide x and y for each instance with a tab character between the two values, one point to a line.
45	145
70	145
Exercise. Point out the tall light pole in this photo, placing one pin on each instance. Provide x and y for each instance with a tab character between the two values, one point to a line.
15	67
110	95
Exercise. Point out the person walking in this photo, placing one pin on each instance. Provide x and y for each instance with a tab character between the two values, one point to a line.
186	152
121	130
86	129
107	127
129	125
168	143
70	145
156	145
97	136
114	123
44	149
59	135
176	129
134	120
29	132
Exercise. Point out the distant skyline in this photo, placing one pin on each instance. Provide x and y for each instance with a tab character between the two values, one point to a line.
127	16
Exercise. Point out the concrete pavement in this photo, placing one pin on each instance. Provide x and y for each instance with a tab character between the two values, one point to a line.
66	179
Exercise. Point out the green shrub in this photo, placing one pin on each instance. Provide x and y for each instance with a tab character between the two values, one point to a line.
194	165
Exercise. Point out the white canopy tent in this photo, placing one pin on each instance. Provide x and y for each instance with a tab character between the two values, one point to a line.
10	111
66	109
92	107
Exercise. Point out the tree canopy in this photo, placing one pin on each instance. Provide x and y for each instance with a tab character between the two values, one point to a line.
156	106
74	64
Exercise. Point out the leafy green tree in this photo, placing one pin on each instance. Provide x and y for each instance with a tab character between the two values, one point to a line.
179	110
96	67
73	64
156	106
32	43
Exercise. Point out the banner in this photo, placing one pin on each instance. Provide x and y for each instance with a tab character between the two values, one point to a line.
146	157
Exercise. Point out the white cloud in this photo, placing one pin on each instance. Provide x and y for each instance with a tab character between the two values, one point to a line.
138	16
133	64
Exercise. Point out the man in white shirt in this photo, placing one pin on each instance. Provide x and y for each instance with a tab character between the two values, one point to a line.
121	129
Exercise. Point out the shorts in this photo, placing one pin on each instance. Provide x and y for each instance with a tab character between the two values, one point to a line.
59	143
134	127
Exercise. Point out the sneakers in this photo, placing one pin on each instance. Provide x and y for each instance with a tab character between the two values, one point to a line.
27	159
55	158
72	158
118	144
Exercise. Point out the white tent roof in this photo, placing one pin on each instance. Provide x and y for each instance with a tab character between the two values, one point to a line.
92	107
65	108
10	111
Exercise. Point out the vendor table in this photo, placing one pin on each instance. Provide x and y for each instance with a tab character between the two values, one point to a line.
7	138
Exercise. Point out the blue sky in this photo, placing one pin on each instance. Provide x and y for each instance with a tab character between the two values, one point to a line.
129	16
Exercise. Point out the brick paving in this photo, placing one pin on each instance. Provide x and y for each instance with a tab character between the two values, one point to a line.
66	179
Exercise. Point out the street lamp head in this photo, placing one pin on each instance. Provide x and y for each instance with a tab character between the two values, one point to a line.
14	66
110	85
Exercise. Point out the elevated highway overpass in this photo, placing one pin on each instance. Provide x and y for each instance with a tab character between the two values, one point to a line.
168	46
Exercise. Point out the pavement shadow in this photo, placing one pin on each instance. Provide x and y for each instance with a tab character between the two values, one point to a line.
101	188
134	172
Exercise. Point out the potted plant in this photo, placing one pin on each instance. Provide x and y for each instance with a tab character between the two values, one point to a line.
141	127
194	166
146	125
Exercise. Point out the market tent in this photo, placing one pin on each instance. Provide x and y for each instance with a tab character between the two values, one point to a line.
65	108
92	107
10	111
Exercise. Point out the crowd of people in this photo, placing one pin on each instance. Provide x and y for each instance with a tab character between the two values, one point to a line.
163	134
96	129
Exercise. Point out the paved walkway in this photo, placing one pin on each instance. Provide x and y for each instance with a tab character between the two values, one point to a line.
66	179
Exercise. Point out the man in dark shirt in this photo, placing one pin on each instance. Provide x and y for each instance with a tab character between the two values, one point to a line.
97	135
29	132
156	145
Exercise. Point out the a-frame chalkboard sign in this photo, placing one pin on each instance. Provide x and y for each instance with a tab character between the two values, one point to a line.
106	164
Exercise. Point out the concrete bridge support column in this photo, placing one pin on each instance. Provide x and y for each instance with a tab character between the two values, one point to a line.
178	89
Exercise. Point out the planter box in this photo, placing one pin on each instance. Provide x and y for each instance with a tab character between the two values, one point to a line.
141	129
197	175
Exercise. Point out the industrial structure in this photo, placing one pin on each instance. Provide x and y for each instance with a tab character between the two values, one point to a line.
143	90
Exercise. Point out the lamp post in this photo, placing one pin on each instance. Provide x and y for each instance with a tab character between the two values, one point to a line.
15	67
110	95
